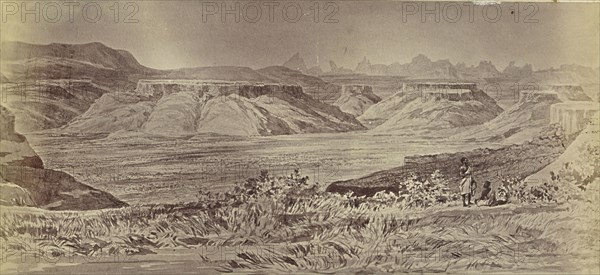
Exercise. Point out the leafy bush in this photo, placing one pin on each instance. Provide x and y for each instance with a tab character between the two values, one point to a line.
264	187
416	192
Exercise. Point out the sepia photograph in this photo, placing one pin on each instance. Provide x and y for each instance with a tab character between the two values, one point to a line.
299	137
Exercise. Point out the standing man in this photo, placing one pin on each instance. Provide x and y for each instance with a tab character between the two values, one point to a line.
466	181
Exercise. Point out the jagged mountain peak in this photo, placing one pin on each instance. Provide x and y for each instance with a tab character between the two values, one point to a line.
296	62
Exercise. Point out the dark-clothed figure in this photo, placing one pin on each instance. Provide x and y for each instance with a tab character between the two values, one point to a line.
487	196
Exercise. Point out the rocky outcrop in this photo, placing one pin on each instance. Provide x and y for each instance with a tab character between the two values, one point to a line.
355	99
188	107
430	107
14	148
25	181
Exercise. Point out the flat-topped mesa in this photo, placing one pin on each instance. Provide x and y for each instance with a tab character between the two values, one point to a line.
560	92
574	116
357	89
360	90
538	95
444	91
433	86
158	88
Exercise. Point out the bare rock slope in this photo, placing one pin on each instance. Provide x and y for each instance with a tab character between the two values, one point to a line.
356	99
187	107
527	118
430	107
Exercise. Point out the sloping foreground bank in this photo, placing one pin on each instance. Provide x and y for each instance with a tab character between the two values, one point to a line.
321	235
25	182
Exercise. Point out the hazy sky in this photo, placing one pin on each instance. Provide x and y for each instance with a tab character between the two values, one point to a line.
172	34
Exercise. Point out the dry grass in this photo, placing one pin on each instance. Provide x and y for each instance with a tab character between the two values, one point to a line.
325	234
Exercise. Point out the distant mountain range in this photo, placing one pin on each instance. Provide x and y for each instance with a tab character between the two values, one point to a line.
421	67
66	79
50	70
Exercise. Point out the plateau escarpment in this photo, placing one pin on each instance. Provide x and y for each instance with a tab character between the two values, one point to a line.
430	107
574	116
187	107
528	116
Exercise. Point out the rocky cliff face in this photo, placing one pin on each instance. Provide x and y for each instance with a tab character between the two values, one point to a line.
25	182
574	116
355	99
187	107
14	148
